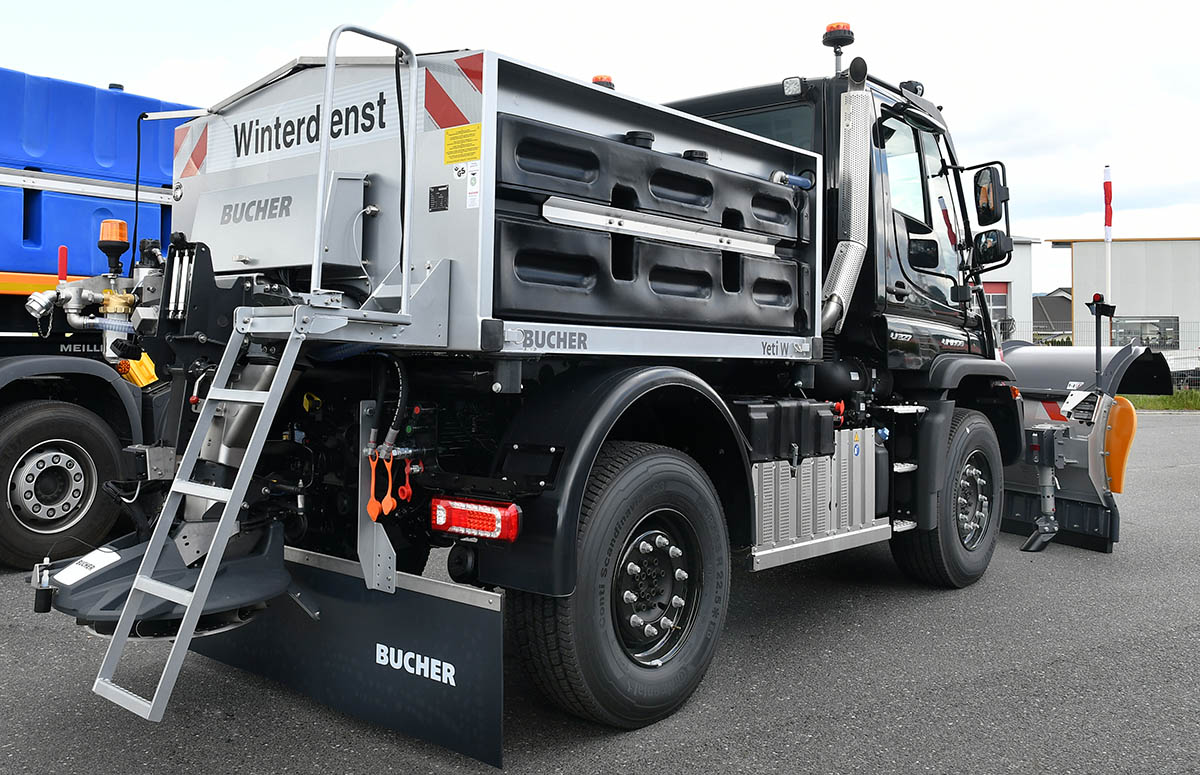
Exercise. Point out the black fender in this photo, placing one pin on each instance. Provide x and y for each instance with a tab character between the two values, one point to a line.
128	395
959	380
574	414
949	369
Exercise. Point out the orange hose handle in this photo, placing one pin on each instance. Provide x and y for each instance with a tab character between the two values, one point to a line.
389	503
373	505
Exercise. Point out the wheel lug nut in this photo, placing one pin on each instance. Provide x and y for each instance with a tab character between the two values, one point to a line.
29	477
645	548
677	602
629	597
650	630
681	575
675	552
636	621
666	623
55	459
661	541
632	569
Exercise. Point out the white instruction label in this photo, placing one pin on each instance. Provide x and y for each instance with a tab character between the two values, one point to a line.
86	566
473	185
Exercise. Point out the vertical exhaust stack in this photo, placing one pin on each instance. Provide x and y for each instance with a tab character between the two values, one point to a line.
854	190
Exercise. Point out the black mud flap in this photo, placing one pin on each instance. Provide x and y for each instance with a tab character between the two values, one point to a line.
426	661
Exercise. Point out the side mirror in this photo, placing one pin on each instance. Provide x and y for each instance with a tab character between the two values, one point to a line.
992	247
924	253
990	196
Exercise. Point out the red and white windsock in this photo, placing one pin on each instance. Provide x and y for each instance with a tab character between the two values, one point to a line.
1107	204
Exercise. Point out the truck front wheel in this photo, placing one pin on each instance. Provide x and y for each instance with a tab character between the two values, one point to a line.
635	639
54	457
958	550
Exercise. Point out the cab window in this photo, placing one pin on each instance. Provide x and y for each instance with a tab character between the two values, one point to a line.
947	227
904	169
792	124
920	189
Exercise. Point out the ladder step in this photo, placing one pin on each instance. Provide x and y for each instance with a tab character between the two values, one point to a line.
238	396
904	468
903	525
123	697
203	491
165	591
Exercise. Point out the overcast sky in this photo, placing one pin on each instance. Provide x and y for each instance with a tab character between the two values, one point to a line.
1055	90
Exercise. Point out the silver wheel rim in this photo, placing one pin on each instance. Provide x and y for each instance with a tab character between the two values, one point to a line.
974	500
52	486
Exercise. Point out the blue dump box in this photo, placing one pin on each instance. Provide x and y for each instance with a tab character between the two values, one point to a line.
64	128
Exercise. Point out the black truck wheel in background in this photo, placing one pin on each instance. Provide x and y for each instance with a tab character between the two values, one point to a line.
54	457
635	639
969	509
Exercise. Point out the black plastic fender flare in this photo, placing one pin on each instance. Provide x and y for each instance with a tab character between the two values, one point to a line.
575	414
33	366
949	370
945	374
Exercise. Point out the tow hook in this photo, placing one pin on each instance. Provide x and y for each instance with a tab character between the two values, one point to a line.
43	593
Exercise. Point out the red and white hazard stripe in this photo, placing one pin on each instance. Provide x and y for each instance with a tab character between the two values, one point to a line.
453	92
191	149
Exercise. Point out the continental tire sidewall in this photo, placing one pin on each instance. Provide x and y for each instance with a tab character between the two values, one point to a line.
962	565
25	425
635	695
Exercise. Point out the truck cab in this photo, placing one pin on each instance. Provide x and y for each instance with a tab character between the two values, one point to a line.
922	226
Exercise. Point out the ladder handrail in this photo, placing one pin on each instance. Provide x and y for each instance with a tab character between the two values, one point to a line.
409	152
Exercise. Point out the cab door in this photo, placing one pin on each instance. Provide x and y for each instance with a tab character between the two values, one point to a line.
924	228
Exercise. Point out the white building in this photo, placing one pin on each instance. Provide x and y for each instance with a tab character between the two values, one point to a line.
1156	287
1010	289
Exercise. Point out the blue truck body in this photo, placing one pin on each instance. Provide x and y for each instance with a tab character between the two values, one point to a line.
71	129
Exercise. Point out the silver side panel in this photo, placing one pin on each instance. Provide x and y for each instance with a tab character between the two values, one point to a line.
823	505
262	146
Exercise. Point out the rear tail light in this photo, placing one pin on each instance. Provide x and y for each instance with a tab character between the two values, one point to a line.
481	519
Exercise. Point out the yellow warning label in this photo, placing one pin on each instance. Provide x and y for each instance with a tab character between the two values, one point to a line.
463	143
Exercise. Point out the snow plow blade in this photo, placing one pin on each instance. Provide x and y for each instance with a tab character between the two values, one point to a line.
1078	433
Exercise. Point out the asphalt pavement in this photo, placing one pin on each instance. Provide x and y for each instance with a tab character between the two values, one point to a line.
1068	662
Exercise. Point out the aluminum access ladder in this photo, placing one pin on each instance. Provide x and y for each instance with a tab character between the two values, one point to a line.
183	487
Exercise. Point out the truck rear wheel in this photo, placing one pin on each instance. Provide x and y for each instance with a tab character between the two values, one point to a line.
636	637
957	552
54	457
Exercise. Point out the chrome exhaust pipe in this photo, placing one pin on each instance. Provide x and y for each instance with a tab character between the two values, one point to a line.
854	192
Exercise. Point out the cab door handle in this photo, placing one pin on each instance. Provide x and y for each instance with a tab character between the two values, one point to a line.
899	290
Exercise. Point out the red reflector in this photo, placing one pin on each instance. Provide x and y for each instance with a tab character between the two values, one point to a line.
1097	297
482	519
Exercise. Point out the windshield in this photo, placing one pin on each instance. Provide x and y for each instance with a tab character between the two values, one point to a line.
792	124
